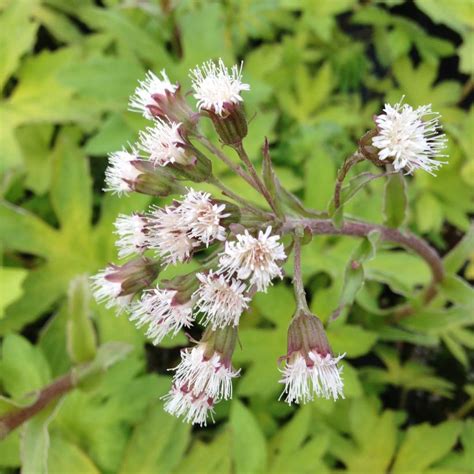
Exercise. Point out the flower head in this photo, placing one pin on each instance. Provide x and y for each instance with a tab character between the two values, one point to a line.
409	141
121	174
307	375
163	143
203	217
169	235
214	86
310	366
221	300
254	258
195	409
205	371
143	99
162	313
132	233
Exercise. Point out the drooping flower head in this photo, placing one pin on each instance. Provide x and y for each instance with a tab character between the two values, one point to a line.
254	259
408	140
147	95
204	376
163	143
310	368
205	371
163	312
203	216
214	86
132	234
221	300
117	285
121	173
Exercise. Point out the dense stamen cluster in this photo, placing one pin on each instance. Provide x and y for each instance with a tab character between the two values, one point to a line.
238	245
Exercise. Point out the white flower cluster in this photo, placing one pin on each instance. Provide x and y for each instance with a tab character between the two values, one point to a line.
164	143
221	290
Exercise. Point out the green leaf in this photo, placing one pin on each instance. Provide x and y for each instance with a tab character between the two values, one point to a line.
81	337
319	179
458	255
435	321
458	291
457	15
413	455
170	438
66	457
354	273
248	442
395	200
71	195
23	367
15	22
214	457
411	375
11	280
350	339
376	437
390	268
35	441
429	214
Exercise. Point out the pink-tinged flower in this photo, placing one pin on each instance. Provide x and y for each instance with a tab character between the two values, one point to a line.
132	234
214	86
310	368
121	174
409	141
144	100
254	259
203	217
162	312
222	301
169	235
204	370
194	409
163	144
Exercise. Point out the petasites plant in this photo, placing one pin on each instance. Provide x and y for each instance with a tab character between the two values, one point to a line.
241	246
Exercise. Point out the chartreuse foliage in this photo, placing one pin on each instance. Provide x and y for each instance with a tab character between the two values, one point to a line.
317	78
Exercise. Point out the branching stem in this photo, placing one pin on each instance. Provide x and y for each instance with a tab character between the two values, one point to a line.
256	179
342	173
362	229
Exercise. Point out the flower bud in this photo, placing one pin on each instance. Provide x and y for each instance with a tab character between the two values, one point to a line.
117	285
197	168
154	181
367	149
231	124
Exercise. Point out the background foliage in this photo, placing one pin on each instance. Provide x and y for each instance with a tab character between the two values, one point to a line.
318	71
